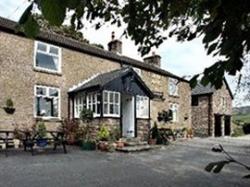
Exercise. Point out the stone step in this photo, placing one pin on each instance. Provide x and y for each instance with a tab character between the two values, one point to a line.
139	148
135	143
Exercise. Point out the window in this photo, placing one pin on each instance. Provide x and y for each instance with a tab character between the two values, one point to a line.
94	103
47	57
91	101
174	108
172	87
195	100
111	103
47	102
223	102
79	103
142	107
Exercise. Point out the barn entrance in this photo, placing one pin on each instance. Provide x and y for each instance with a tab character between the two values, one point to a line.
227	125
217	125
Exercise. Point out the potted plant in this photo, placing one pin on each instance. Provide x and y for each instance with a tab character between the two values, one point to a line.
103	137
87	143
189	133
154	134
115	135
41	135
9	108
17	137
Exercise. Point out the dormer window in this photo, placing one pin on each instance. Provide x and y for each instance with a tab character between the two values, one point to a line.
173	87
47	57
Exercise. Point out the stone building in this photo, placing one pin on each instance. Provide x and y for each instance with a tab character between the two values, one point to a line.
52	77
212	110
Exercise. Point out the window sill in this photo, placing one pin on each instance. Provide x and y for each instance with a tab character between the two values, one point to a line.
47	71
49	119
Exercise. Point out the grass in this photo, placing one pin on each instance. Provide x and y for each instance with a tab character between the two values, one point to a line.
245	118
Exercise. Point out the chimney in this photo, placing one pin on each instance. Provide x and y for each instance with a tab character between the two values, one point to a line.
154	60
115	45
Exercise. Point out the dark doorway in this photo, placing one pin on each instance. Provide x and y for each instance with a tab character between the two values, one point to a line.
217	125
227	123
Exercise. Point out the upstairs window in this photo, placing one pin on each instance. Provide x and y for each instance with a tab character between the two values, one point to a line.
47	101
111	103
195	100
47	57
142	107
173	87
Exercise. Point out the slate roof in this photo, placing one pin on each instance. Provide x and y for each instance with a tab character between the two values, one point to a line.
9	26
100	80
204	90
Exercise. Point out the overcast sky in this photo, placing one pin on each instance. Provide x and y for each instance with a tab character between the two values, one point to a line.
186	58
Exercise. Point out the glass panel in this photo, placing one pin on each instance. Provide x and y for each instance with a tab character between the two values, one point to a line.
111	97
46	61
111	109
53	50
40	91
116	98
116	109
42	47
98	108
55	104
98	97
53	92
105	108
105	97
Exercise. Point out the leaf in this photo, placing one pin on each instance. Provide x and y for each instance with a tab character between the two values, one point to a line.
31	27
25	16
54	11
219	166
72	4
205	80
246	177
193	81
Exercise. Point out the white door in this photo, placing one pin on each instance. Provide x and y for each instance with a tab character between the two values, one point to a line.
128	116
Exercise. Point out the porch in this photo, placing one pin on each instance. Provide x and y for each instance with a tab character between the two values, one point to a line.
119	97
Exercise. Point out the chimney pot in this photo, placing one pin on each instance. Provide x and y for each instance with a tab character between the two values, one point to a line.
154	60
115	45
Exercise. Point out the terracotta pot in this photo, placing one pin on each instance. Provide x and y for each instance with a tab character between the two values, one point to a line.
152	141
103	145
119	144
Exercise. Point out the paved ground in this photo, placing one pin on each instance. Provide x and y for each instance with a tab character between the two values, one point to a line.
179	164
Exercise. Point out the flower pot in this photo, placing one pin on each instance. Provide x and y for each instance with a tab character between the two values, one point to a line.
41	142
16	143
152	141
103	146
119	144
88	145
9	110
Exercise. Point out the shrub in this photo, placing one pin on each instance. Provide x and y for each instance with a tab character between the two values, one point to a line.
86	115
154	131
70	127
41	129
115	134
246	128
103	134
9	103
238	131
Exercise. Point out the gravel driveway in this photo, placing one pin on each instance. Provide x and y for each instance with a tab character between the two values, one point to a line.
179	164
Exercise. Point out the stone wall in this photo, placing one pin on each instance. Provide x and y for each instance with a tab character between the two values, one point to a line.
159	83
200	116
143	127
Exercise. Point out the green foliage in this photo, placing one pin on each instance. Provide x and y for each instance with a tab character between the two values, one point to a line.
9	103
86	115
103	134
243	118
41	129
115	134
154	131
222	24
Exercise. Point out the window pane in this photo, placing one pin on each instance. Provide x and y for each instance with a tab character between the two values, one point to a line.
105	108
55	104
42	47
111	97
98	97
53	92
46	61
116	109
53	50
105	97
111	109
98	108
40	91
116	98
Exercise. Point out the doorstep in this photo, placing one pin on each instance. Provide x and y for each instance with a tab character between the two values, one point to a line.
138	148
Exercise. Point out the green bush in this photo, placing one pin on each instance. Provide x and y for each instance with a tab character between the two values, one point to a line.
86	115
41	129
238	131
9	103
103	134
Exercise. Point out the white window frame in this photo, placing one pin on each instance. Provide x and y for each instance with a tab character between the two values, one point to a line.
78	103
174	107
47	53
108	103
146	100
47	96
174	82
95	114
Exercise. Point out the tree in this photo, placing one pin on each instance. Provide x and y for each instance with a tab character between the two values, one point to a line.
223	25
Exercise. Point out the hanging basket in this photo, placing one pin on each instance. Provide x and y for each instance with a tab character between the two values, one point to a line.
9	110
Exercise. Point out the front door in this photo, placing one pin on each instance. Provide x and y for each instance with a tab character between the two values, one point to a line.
227	124
128	116
217	126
